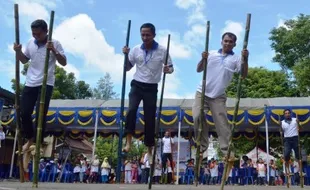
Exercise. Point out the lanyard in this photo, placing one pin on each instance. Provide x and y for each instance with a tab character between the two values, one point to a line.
145	56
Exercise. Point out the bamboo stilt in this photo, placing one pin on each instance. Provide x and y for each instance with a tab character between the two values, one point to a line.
245	44
122	117
202	113
41	109
159	116
300	158
17	97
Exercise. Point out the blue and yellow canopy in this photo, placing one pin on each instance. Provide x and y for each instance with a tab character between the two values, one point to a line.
80	115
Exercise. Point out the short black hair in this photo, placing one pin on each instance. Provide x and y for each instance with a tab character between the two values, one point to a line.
286	110
39	24
231	35
150	26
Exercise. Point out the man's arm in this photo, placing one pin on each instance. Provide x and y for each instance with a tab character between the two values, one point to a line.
128	64
169	67
58	52
20	55
202	62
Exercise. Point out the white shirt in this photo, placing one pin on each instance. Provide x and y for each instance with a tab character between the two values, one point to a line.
290	129
2	135
296	167
214	171
272	172
77	169
37	56
220	70
149	66
167	144
261	170
146	161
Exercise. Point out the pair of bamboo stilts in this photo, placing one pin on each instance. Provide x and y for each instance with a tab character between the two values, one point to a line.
122	110
202	114
42	102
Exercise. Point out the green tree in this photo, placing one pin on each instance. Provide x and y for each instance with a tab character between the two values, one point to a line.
66	86
262	83
291	44
104	89
107	147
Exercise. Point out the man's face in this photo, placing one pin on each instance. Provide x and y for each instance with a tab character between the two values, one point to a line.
228	43
147	36
287	114
39	34
167	134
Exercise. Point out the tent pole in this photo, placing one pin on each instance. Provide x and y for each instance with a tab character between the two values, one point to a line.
257	138
178	157
13	153
95	134
267	143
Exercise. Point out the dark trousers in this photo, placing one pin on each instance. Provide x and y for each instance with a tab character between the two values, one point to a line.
148	93
147	175
164	160
289	144
31	98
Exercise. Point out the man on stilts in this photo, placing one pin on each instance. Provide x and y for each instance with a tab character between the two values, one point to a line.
35	51
149	58
221	65
291	131
167	151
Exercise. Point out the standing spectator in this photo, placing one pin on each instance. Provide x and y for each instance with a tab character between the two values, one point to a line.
261	169
105	167
127	171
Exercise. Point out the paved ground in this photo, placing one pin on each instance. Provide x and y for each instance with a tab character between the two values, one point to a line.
64	186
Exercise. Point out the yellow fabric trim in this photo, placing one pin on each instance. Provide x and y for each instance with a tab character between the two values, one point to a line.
258	122
168	112
189	112
251	138
275	120
8	122
256	112
51	121
85	113
66	123
50	113
75	131
301	111
237	123
169	122
66	113
85	123
237	138
188	122
106	123
231	112
109	113
277	111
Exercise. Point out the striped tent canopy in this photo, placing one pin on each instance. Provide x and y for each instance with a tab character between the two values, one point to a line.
77	117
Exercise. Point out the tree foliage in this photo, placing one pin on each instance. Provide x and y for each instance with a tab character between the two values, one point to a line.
291	44
262	83
108	147
104	89
66	86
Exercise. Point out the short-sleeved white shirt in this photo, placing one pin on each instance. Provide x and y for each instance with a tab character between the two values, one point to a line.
167	143
220	70
149	64
37	54
290	129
